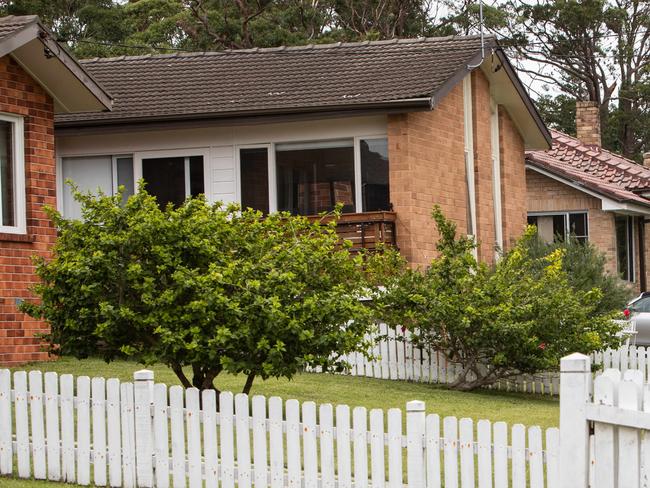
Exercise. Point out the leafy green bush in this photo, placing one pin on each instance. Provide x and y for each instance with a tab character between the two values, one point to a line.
585	268
213	288
518	316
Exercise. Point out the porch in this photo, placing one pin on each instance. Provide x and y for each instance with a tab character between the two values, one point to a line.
367	230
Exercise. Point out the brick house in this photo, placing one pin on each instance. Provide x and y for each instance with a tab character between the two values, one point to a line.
580	188
386	128
38	79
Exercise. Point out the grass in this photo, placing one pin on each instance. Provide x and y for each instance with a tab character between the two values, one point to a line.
354	391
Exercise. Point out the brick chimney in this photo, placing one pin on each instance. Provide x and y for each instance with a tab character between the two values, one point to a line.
646	159
588	123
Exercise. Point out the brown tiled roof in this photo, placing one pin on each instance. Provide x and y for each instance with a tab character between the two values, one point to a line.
277	80
11	23
596	169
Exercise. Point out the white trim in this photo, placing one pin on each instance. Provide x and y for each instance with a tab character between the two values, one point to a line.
469	156
608	205
20	201
496	175
566	214
358	187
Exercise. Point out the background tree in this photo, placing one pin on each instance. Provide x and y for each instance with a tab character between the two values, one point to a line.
519	316
596	50
202	287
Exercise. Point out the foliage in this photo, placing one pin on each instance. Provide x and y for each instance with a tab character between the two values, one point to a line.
584	265
596	50
216	289
519	316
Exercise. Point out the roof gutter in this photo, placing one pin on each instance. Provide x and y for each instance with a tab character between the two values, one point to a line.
421	103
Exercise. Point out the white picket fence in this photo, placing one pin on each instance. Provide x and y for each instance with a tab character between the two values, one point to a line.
395	357
604	425
143	434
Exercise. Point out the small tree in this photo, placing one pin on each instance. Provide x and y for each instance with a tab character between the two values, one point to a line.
519	316
584	265
201	286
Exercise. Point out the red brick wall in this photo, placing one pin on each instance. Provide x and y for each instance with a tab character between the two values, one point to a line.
427	167
513	179
21	95
548	195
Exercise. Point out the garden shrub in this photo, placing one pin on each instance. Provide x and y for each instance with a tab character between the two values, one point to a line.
203	286
519	316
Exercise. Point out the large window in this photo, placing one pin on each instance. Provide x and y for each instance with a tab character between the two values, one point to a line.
314	177
12	175
625	246
553	227
95	173
307	178
173	179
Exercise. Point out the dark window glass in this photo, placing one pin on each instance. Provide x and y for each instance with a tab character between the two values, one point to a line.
642	306
196	176
624	247
374	175
578	227
7	197
313	177
559	227
254	175
165	178
532	220
125	176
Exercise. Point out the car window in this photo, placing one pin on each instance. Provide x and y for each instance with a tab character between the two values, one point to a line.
642	306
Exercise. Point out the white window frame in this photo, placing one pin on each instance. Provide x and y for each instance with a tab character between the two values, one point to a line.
272	168
565	214
19	175
138	156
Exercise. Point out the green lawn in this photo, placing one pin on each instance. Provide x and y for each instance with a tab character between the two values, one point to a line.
336	389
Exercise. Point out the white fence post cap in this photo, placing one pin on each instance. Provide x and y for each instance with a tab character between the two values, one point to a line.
575	363
415	406
143	375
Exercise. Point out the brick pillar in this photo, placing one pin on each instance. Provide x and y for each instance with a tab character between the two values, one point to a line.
588	123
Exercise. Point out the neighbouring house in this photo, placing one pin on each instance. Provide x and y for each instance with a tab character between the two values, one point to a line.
38	79
386	128
579	188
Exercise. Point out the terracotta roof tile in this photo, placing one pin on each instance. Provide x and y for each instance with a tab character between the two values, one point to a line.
276	79
597	169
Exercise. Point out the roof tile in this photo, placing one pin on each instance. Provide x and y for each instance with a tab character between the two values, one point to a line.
284	78
600	170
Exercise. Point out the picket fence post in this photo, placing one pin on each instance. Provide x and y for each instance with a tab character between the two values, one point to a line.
415	429
575	377
143	393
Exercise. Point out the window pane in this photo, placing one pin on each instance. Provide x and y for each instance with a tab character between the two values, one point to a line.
578	225
197	184
313	177
165	178
93	174
125	176
532	220
7	185
559	228
622	247
374	175
254	176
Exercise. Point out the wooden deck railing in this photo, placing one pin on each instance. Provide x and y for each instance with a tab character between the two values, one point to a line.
367	230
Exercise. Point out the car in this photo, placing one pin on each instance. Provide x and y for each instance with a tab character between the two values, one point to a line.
638	314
